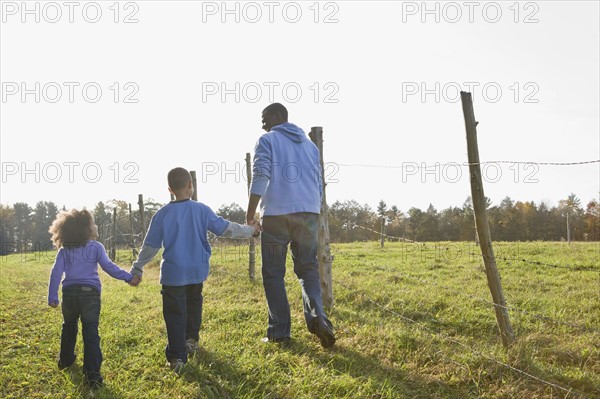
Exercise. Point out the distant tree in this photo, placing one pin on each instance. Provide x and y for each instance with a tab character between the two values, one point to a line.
345	217
381	208
232	212
381	211
571	208
449	224
103	220
7	230
43	215
23	226
415	224
592	221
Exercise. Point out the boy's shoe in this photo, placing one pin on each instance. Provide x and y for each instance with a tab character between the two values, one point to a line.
324	331
176	365
191	346
62	366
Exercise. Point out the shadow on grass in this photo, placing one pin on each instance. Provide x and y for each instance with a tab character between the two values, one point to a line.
76	378
358	365
221	379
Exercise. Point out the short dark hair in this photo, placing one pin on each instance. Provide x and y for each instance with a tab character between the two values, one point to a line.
277	108
178	178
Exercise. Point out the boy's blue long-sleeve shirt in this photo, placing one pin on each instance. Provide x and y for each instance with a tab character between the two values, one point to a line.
287	172
181	228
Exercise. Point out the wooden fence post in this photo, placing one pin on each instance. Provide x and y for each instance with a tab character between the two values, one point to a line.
142	215
114	233
252	245
195	184
483	228
133	250
382	230
323	248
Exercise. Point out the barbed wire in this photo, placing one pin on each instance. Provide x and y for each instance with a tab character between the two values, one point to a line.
571	268
386	235
509	308
472	254
424	165
455	341
229	273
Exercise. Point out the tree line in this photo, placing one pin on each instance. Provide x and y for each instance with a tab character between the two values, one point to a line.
23	228
509	221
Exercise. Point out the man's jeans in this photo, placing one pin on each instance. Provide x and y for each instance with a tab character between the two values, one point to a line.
81	301
182	311
300	231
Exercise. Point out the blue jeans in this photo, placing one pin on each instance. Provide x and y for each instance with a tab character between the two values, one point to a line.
300	231
81	301
182	311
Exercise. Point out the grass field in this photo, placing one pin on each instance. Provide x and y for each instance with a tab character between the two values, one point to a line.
412	322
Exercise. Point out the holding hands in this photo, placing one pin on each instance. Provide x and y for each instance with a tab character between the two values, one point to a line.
257	226
136	280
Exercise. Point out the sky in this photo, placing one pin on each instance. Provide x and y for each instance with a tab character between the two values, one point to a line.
100	99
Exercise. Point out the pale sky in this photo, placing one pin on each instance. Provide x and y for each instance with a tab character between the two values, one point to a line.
382	78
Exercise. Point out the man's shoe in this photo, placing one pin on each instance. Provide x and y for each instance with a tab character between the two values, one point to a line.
176	365
62	366
191	346
324	331
95	385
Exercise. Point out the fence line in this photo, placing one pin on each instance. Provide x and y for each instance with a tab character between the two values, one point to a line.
466	164
510	308
453	340
385	235
571	268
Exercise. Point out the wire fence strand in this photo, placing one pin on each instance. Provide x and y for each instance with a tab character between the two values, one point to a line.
463	345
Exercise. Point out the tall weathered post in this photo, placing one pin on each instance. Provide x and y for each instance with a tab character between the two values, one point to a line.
252	244
133	250
323	248
142	215
483	228
114	236
382	231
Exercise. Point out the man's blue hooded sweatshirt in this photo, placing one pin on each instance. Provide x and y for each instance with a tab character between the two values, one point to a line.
286	172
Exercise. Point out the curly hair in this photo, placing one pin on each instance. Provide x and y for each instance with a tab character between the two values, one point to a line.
72	228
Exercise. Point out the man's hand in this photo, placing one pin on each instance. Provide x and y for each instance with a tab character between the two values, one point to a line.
53	304
257	227
135	281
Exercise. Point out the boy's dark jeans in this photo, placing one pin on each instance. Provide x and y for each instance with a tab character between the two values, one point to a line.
81	301
182	311
300	231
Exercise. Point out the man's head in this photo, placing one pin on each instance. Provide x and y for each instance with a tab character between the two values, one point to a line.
180	183
275	114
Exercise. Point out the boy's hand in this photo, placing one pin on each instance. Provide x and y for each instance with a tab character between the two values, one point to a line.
135	281
53	304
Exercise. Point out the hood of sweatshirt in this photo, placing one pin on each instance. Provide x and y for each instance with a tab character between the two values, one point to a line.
290	131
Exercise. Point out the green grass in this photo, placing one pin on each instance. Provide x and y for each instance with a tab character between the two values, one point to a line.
411	322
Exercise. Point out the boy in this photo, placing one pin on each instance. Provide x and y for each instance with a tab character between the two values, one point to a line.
180	227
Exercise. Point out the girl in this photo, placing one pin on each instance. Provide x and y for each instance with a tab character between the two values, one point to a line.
74	233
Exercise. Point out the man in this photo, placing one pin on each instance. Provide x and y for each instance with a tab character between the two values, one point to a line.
286	180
